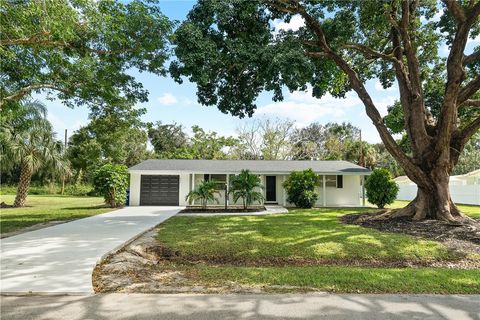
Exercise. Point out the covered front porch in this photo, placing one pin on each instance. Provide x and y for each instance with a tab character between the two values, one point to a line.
334	190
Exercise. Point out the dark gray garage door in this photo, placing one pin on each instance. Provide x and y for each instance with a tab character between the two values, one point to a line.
159	190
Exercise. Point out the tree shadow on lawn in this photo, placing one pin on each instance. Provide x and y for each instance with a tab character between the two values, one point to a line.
461	237
303	237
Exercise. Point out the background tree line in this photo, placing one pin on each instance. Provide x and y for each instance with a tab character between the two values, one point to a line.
116	134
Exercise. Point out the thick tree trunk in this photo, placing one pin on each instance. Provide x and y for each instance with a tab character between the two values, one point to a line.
23	185
433	201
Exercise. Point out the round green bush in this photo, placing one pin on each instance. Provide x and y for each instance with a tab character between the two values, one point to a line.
111	181
300	188
381	189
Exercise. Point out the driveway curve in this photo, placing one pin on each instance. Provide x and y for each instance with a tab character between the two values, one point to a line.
61	258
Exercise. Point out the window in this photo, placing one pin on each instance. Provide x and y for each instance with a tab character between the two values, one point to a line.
331	181
339	182
220	178
334	181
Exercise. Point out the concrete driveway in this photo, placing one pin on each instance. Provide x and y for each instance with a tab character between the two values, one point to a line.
245	306
61	258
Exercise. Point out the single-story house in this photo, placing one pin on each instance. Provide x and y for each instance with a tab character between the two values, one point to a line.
167	182
464	188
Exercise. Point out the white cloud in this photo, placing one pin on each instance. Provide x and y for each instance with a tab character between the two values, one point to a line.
305	109
59	125
475	41
167	99
383	103
295	23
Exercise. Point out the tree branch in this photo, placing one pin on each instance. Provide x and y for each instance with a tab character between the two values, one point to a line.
34	40
468	90
369	52
359	87
454	95
471	102
474	57
456	10
469	131
27	90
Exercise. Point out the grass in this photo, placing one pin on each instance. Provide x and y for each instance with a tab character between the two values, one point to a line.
347	279
470	210
310	249
40	209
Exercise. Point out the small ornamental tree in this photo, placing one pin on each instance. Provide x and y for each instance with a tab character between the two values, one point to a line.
204	192
245	186
300	188
381	189
111	181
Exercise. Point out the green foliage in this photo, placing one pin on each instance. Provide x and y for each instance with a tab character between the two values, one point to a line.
245	186
208	145
81	50
300	188
169	141
111	181
205	192
28	142
77	190
381	189
115	134
470	158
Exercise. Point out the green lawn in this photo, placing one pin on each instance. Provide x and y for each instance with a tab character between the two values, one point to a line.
41	209
472	211
310	249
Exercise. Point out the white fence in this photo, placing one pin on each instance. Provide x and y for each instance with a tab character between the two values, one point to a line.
465	194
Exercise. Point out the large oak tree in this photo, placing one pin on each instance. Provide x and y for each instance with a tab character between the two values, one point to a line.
80	51
230	49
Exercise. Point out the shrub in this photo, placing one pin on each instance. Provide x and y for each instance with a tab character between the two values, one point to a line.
300	188
111	181
381	189
245	186
204	192
79	189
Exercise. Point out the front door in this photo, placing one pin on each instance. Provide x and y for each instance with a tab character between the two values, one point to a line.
271	182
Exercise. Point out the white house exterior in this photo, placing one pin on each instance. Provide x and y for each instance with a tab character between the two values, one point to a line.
464	188
167	182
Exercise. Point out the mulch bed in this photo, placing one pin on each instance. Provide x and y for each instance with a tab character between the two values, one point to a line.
221	210
464	238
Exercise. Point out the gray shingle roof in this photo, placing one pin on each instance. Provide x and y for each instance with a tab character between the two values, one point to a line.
255	166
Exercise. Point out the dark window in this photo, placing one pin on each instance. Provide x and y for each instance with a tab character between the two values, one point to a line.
339	181
206	177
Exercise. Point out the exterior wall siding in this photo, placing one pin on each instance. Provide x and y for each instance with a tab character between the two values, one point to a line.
134	189
349	195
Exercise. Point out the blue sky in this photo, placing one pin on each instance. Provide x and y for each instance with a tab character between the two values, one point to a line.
172	102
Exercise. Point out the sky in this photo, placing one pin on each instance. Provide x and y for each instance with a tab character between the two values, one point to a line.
172	102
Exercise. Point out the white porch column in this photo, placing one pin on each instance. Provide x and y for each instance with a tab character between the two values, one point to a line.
284	192
227	189
363	191
324	191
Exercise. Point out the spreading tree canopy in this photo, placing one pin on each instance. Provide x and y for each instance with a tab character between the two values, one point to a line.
80	50
232	51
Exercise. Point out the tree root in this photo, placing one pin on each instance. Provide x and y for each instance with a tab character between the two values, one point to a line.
411	213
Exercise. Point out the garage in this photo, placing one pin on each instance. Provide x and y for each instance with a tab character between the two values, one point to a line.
159	190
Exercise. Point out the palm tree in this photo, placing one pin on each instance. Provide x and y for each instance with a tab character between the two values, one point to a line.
204	192
245	186
28	141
